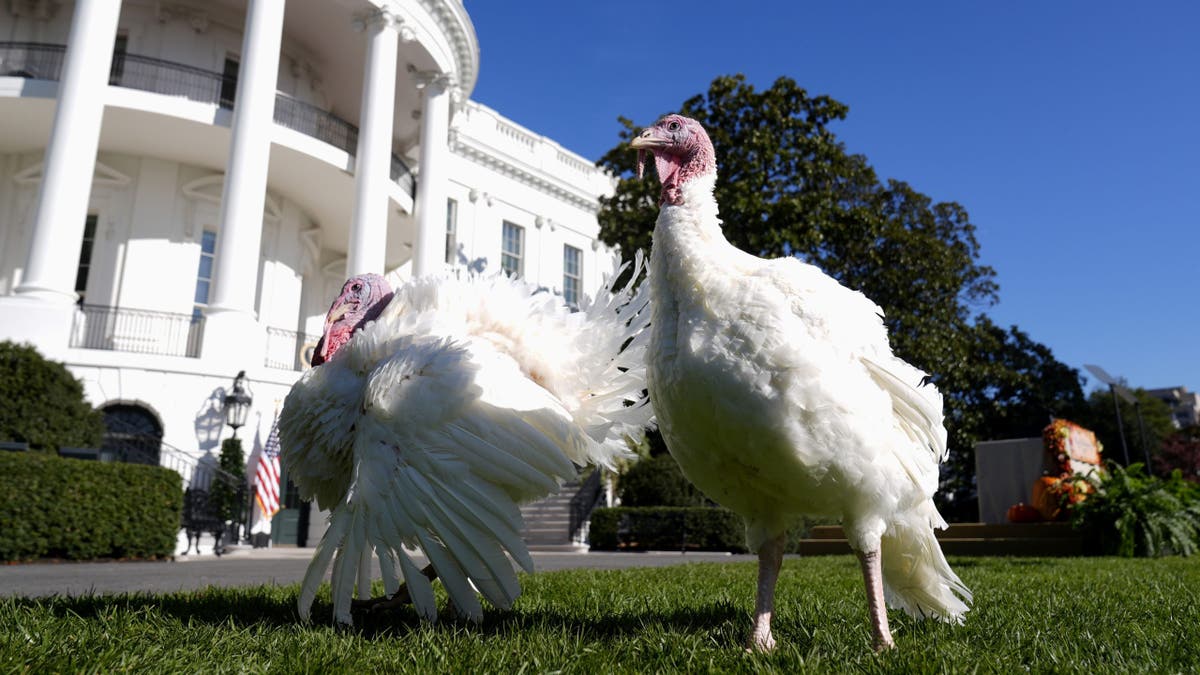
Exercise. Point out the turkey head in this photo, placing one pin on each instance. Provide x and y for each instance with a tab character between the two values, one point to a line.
682	151
362	298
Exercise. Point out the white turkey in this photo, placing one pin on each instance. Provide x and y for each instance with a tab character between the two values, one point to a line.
777	392
431	413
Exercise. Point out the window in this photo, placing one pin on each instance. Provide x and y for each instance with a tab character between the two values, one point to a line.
451	231
208	252
512	248
572	274
85	257
229	80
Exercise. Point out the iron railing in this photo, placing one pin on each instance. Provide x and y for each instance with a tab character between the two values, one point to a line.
139	331
285	349
32	60
43	61
586	499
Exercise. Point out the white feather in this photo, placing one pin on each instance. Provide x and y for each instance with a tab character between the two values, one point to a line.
776	390
463	399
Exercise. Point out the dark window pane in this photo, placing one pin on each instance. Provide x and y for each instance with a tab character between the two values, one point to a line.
206	263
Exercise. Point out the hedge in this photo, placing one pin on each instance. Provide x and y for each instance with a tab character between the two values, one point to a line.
80	510
667	528
44	404
657	481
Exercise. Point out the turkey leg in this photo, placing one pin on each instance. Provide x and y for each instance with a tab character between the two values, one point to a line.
873	576
770	558
399	598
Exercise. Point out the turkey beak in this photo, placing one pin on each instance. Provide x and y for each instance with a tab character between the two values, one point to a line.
336	313
645	142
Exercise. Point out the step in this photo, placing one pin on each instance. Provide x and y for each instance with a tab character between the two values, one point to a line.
557	547
545	529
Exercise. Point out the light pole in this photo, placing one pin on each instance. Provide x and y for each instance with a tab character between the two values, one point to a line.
237	403
1119	390
1102	375
237	408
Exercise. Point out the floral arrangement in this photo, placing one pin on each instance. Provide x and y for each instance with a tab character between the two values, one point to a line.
1075	453
1073	448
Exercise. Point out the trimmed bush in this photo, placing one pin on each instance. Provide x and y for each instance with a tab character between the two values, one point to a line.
229	499
667	528
43	403
81	510
657	481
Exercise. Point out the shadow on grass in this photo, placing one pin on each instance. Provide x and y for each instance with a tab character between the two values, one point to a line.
211	606
251	608
704	618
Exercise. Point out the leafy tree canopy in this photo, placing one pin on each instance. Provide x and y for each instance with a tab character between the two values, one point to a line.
787	186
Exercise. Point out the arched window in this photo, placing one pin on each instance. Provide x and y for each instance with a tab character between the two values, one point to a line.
132	434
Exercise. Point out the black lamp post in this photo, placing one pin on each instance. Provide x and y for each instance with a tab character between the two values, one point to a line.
237	403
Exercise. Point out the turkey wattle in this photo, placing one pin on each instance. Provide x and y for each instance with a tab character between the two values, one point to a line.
777	392
424	428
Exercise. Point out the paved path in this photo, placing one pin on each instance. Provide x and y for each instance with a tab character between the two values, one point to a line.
280	566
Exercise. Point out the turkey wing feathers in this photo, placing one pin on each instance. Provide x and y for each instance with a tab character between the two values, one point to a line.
436	466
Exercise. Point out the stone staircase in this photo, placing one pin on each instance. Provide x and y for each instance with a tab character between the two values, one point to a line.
548	522
1015	539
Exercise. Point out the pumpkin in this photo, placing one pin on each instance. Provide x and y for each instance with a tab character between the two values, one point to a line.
1047	497
1023	513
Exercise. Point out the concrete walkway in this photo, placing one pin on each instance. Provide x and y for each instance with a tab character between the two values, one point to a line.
254	567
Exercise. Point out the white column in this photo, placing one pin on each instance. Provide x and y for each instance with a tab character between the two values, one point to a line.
373	158
429	248
230	318
71	156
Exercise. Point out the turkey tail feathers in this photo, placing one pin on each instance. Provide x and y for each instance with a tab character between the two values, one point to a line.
916	576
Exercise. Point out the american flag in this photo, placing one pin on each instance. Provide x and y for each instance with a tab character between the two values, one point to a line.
266	477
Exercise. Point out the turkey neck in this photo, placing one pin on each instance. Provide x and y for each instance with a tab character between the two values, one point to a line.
688	247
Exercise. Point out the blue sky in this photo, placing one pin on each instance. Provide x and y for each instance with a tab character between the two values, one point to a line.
1070	131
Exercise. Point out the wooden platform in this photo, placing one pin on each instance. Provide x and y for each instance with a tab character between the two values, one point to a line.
1024	539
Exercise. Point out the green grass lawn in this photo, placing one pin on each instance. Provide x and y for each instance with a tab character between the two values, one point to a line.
1076	615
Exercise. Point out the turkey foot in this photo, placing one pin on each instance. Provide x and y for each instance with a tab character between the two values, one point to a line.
398	599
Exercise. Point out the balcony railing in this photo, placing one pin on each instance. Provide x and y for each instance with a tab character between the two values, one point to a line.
32	60
137	330
36	60
286	349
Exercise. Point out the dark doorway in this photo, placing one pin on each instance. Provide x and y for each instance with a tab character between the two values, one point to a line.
133	434
290	526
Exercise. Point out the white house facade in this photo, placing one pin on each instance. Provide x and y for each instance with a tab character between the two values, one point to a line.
184	186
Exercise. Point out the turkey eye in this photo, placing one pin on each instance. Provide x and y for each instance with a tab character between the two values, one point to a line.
356	287
673	126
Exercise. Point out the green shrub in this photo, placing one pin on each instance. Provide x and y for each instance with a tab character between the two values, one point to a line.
1133	514
666	528
80	510
657	481
229	497
43	404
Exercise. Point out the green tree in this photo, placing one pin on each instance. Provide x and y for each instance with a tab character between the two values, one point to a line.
228	493
43	403
787	186
1102	419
